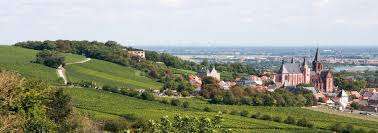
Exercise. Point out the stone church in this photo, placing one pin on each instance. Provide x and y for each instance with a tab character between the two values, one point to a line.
292	74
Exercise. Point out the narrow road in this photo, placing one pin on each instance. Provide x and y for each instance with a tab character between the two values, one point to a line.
62	72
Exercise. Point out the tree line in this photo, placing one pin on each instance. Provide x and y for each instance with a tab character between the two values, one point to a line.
114	52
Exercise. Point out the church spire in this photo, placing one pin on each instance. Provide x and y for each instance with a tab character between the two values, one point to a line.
317	54
304	61
282	65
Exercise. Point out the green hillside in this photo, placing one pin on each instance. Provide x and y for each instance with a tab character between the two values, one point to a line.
321	120
106	73
20	60
104	105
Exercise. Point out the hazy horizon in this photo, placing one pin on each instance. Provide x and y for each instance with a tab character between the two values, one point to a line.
193	22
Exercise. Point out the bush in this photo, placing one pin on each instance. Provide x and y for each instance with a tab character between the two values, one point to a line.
185	104
207	109
175	102
244	113
266	117
184	94
234	112
355	105
277	119
289	120
337	127
111	89
164	101
114	126
147	96
130	92
346	129
305	123
256	116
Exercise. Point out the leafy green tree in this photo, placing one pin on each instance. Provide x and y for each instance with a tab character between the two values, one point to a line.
50	58
290	120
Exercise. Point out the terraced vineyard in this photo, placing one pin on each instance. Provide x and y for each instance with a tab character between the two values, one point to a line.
321	120
104	105
20	60
106	73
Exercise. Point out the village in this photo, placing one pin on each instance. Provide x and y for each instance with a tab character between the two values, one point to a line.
316	80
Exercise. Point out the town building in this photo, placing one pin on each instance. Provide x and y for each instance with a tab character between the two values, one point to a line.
342	100
292	74
138	54
207	73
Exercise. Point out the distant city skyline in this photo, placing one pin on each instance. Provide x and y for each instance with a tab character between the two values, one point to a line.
193	22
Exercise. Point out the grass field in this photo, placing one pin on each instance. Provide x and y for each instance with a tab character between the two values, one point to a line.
20	60
104	105
320	119
106	73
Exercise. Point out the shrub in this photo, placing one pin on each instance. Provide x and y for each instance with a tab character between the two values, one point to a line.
355	105
175	102
113	89
244	113
185	104
305	123
256	116
207	109
234	112
114	126
289	120
164	101
225	111
277	119
266	117
147	96
337	127
130	117
184	94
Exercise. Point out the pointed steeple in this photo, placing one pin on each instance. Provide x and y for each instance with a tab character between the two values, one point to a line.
282	65
317	55
304	61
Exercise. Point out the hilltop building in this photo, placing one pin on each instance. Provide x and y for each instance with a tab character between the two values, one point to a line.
207	73
138	54
292	74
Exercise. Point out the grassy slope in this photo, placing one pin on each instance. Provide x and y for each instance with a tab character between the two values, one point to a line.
106	73
19	59
103	105
320	119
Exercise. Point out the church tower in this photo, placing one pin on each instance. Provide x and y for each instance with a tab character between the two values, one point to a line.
316	65
306	72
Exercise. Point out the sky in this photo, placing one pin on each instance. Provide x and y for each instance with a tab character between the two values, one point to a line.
193	22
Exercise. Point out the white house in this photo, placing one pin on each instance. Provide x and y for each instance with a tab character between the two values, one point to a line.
343	99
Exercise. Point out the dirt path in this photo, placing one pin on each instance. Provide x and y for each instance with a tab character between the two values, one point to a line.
62	72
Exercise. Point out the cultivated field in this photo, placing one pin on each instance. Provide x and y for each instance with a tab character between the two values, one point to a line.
20	60
106	73
320	119
104	106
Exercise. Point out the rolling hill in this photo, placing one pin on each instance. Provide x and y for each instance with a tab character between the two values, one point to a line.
102	72
106	73
101	105
20	60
